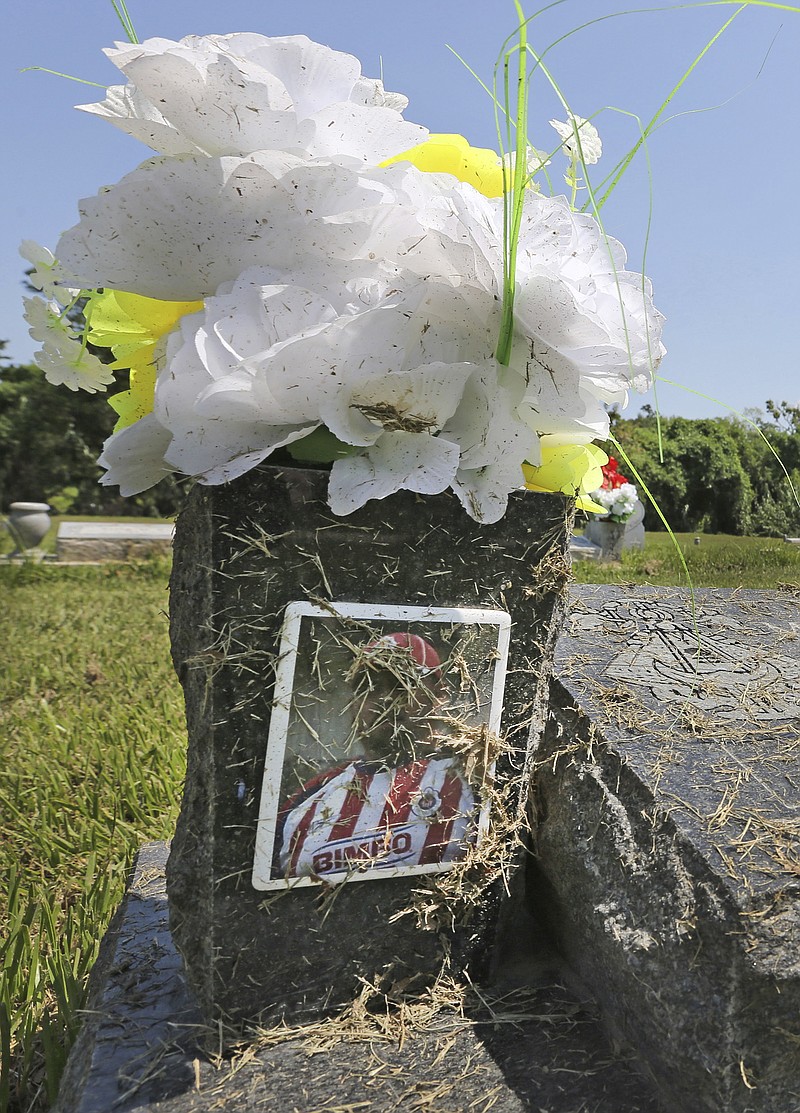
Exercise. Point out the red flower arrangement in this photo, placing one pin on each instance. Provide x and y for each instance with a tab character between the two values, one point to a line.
612	478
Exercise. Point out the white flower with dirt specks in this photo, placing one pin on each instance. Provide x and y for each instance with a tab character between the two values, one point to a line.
46	275
66	362
586	143
325	294
63	357
367	302
373	359
236	94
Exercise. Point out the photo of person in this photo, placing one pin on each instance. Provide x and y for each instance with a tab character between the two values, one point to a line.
369	769
402	800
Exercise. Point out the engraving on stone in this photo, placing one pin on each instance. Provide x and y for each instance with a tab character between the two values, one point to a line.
708	667
379	754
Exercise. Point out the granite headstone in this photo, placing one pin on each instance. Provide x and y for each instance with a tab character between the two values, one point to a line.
614	538
95	541
526	1042
265	934
668	833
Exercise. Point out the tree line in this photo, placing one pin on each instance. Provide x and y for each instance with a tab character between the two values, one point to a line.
50	438
718	475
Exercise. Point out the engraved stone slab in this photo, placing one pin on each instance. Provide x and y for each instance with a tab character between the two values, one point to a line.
140	1026
530	1044
90	541
355	777
668	799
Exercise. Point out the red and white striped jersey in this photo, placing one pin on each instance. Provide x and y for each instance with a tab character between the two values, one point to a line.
362	816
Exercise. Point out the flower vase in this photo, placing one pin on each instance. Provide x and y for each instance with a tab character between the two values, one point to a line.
248	557
28	523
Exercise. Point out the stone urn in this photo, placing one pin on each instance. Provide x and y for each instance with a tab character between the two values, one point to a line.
273	599
28	522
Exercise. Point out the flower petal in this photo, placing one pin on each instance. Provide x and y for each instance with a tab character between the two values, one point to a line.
398	461
236	94
134	457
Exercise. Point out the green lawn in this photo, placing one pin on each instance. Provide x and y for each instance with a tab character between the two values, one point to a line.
92	747
717	561
92	743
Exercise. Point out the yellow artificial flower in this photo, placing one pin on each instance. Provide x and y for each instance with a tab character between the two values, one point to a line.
452	154
131	325
572	469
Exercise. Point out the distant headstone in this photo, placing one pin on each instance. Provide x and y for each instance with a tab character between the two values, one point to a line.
355	714
581	548
634	529
93	541
614	537
668	837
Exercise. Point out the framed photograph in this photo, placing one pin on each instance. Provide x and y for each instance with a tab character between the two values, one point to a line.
380	751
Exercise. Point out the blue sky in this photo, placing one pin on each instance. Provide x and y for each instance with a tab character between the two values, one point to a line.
724	241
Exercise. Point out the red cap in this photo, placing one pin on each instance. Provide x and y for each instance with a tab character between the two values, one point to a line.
422	652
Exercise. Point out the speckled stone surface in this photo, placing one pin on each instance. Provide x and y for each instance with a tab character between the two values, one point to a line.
242	553
95	541
534	1045
668	833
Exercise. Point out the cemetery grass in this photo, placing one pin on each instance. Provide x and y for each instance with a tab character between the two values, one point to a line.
92	751
719	560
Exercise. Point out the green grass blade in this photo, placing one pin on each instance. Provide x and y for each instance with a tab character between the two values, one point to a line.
57	73
664	104
121	9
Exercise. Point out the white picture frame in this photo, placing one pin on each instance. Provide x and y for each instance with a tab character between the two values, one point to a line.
460	656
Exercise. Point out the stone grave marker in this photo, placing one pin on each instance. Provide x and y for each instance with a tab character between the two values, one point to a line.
581	548
92	541
361	732
668	833
527	1042
614	537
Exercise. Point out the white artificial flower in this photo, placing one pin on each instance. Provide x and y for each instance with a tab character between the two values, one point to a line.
620	502
177	229
368	301
220	414
375	360
47	275
44	318
237	94
587	330
591	147
63	358
134	457
494	442
66	362
396	461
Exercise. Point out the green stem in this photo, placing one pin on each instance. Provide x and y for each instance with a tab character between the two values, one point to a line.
514	199
121	10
